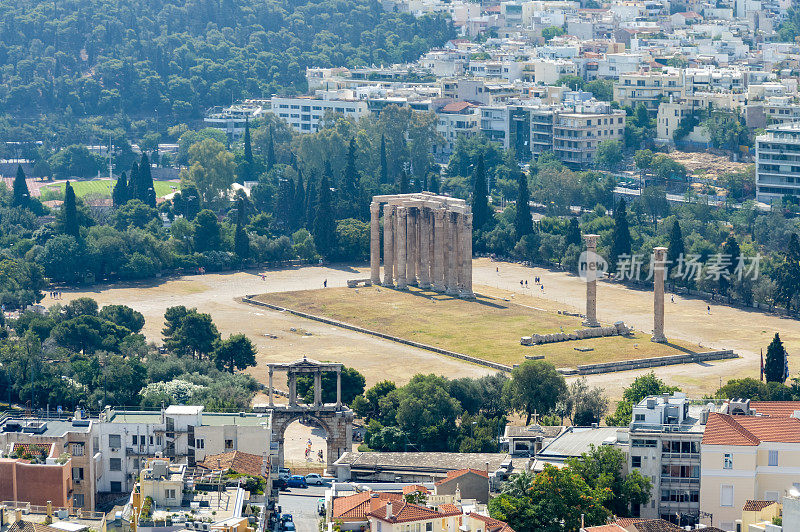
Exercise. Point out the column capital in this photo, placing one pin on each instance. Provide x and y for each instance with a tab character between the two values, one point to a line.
388	209
374	207
591	240
402	212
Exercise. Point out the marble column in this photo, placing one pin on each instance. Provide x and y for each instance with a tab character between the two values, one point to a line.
424	249
466	255
591	280
292	389
317	388
339	387
659	267
271	390
439	248
388	245
375	243
411	247
451	259
402	227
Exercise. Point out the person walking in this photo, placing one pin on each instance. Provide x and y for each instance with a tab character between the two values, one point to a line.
708	308
325	283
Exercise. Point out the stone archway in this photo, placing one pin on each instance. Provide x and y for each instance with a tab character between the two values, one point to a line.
335	418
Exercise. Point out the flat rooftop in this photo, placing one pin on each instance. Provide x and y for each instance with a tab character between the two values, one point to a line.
43	427
578	440
433	462
209	419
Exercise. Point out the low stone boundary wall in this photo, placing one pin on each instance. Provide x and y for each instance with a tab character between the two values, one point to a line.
354	283
625	365
501	367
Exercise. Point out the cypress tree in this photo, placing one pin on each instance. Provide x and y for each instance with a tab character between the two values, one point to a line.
70	215
146	185
324	224
775	364
789	278
384	177
676	248
732	251
241	241
120	193
573	233
311	203
404	186
299	206
22	195
133	182
523	224
247	168
350	190
270	149
621	244
480	203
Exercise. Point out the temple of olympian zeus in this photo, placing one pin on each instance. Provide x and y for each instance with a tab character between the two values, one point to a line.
427	242
659	271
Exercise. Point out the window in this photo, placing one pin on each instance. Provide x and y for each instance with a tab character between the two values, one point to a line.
158	440
727	461
228	444
726	495
116	487
114	441
638	417
636	461
77	473
200	443
428	527
115	464
135	439
169	494
76	449
772	496
77	500
773	458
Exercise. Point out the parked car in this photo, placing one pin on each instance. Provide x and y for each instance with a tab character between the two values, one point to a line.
314	478
286	518
289	527
280	483
296	481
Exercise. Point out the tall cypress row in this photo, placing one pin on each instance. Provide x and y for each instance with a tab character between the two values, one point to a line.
22	195
120	193
523	223
324	224
147	187
70	215
384	177
241	241
480	202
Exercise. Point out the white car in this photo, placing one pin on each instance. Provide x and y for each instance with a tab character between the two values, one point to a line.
313	478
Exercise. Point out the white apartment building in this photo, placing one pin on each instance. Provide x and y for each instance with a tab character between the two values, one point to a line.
665	435
778	163
454	120
184	434
304	113
648	88
232	119
577	134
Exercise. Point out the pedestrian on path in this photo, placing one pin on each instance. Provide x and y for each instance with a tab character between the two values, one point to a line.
708	307
325	283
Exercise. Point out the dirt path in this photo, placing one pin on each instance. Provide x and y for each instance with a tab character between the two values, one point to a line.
745	332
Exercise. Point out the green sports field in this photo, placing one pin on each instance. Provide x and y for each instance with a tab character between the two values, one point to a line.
98	186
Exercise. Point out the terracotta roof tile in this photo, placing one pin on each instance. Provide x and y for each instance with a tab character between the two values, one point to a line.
613	527
404	512
756	506
656	525
244	463
456	107
723	429
625	522
452	475
27	526
775	408
356	507
413	488
40	449
492	524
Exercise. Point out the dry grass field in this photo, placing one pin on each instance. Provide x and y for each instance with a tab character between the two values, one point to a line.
488	327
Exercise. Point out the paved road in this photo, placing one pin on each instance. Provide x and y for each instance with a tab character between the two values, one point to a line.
302	504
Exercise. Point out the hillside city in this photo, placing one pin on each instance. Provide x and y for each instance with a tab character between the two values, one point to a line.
400	266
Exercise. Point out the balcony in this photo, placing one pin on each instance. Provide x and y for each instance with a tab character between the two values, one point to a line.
680	481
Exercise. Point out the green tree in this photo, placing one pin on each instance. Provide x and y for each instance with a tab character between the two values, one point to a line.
621	239
324	225
69	217
196	335
675	249
641	387
746	388
523	223
731	251
22	195
601	468
555	502
480	202
124	316
368	406
352	386
573	236
247	168
207	231
145	188
775	362
608	155
427	413
552	31
643	159
789	276
211	171
602	89
535	386
350	191
237	352
384	165
571	81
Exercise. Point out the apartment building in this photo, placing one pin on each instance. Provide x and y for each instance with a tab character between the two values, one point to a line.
304	113
747	457
648	88
665	435
185	434
454	120
232	119
778	163
72	459
576	135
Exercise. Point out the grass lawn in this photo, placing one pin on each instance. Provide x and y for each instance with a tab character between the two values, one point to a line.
99	186
489	327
